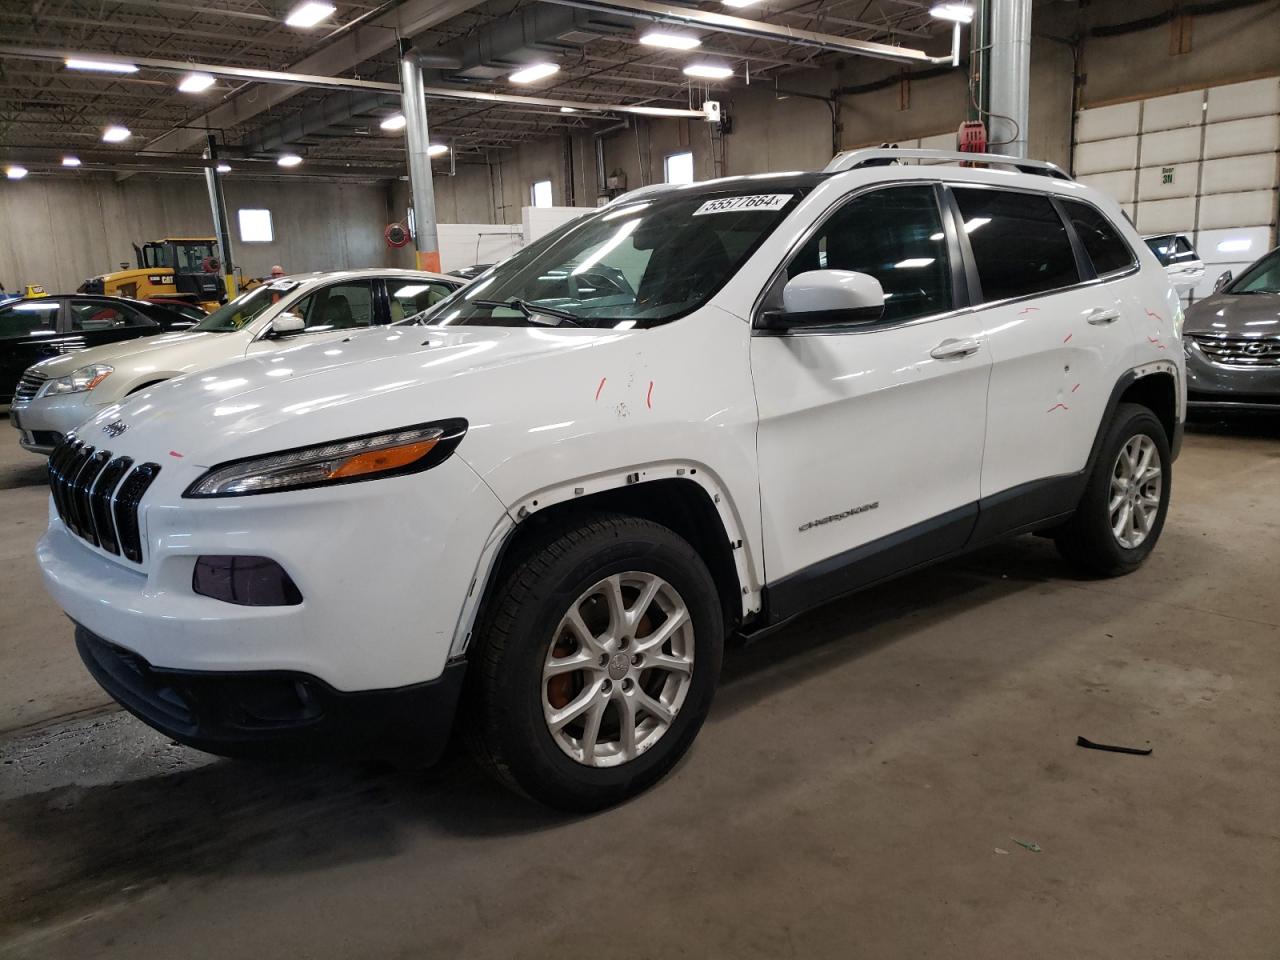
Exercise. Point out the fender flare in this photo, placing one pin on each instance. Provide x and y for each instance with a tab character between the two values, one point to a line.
748	566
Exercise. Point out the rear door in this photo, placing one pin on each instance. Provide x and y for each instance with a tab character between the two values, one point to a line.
1056	330
28	334
870	435
96	322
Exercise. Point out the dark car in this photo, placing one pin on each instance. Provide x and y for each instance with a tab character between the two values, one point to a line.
38	328
1232	342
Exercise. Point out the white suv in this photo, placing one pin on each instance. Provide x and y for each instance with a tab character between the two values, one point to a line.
692	414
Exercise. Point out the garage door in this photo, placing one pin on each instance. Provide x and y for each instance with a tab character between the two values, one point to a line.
1205	163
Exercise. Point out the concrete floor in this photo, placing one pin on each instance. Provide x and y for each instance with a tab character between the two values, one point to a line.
859	789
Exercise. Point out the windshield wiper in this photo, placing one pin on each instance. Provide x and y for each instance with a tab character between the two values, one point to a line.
529	310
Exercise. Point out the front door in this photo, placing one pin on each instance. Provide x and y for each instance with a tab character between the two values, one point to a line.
870	436
28	334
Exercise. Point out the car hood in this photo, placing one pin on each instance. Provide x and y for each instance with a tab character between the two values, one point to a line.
306	394
1235	315
152	347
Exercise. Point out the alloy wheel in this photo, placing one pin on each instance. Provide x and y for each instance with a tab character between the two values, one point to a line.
1136	485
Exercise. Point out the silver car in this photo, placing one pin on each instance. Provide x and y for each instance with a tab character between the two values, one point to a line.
1232	342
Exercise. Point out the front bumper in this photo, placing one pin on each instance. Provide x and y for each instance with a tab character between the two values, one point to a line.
1216	386
43	422
270	712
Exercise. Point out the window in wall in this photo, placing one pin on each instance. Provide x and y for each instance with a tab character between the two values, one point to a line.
255	226
542	193
679	168
1019	242
1102	243
896	236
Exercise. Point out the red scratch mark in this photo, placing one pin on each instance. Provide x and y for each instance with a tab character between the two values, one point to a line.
1156	315
1067	337
648	397
1075	388
601	387
1056	406
175	453
1156	342
1029	310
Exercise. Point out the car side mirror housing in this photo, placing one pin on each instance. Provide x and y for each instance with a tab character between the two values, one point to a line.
286	323
821	297
1223	279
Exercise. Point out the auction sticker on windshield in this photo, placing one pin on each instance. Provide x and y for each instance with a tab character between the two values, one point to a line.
759	201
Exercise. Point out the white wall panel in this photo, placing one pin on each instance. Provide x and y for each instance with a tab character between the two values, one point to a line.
1255	208
1234	174
1184	178
1118	184
1232	101
1233	245
1105	123
1101	156
1175	110
1235	137
1167	216
1171	146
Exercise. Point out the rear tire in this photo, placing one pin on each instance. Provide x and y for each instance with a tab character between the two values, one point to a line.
1122	512
616	618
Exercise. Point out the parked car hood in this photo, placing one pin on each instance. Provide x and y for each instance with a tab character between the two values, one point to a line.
305	394
109	352
1235	315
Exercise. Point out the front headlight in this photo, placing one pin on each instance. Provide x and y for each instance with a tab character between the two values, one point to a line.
77	381
387	454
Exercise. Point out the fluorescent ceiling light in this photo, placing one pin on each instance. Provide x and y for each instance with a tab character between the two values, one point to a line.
223	168
672	41
537	71
437	150
116	134
739	3
70	161
956	12
568	109
913	262
289	160
412	290
308	14
708	70
196	82
105	66
655	111
395	122
15	172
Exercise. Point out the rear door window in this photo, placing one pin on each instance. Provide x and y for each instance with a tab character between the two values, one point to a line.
1102	242
1019	242
407	296
90	315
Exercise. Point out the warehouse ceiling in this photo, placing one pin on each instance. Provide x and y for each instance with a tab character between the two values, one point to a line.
47	110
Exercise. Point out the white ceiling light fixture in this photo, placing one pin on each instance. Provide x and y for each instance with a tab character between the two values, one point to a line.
116	134
196	82
102	66
395	122
708	71
306	15
568	109
223	168
15	172
955	12
738	4
437	150
288	160
70	161
669	40
534	72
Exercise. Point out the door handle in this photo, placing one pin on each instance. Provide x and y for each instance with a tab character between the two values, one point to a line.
1099	316
955	349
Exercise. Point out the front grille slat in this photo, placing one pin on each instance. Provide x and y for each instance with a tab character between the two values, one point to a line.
1240	351
27	388
98	497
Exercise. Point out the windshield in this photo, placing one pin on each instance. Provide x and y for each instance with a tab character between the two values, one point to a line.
1262	277
642	263
244	309
191	256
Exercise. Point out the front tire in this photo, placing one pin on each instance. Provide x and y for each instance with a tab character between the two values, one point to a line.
1122	512
596	663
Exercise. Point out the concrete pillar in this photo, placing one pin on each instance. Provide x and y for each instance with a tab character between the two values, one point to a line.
1009	76
413	104
218	204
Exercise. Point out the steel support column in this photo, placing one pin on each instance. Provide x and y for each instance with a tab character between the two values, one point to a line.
413	104
218	204
1009	76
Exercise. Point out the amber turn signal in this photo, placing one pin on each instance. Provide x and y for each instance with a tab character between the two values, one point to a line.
375	461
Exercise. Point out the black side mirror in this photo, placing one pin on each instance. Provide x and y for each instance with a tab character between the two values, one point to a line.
1223	279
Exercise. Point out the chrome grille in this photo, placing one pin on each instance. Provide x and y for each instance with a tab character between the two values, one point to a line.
97	497
27	388
1240	351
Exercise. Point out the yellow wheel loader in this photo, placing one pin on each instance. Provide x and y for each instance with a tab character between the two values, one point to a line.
176	268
